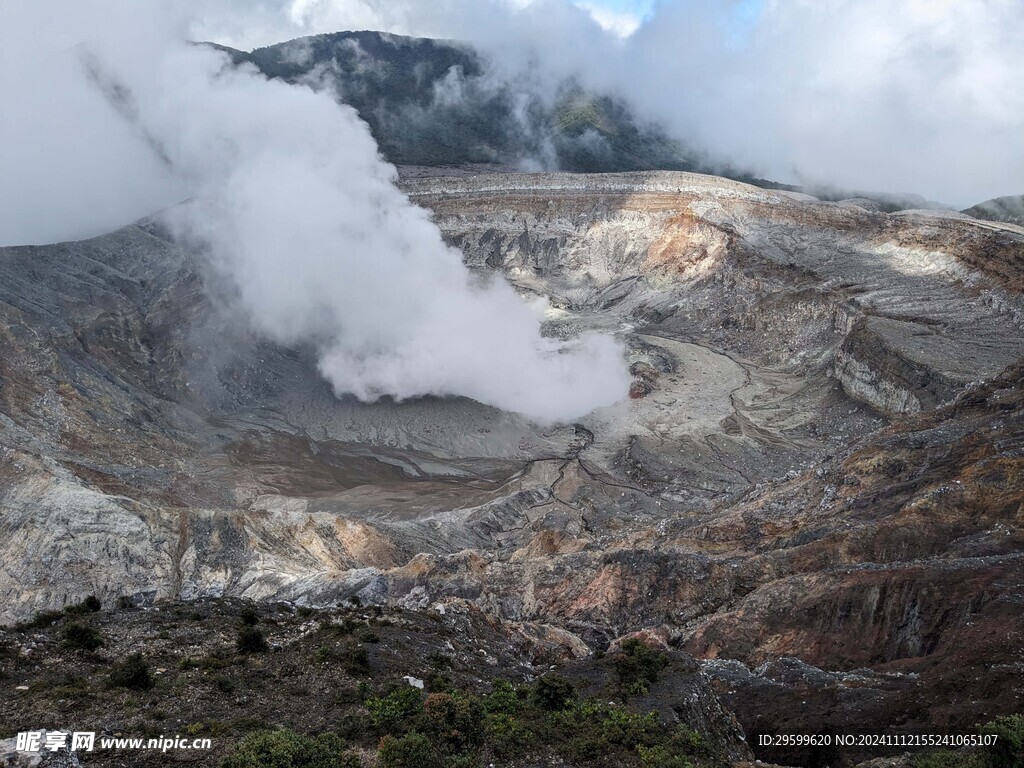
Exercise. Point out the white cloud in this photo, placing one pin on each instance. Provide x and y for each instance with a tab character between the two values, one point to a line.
620	23
885	95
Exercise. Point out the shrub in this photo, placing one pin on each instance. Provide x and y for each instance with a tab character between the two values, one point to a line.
133	672
347	626
41	620
394	710
1008	751
553	693
413	750
686	740
508	736
453	721
249	616
439	660
660	757
81	636
223	683
638	666
250	640
504	698
595	733
367	635
349	654
438	682
91	604
286	749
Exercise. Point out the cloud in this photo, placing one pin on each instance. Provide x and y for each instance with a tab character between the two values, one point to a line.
69	167
885	95
291	203
879	95
621	23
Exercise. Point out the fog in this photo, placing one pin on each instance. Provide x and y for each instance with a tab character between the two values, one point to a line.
893	96
109	114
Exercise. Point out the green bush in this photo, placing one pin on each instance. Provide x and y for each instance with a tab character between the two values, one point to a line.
81	636
413	750
596	729
596	733
1008	751
393	711
660	757
553	693
638	666
504	698
508	736
438	682
454	722
249	616
286	749
250	640
133	672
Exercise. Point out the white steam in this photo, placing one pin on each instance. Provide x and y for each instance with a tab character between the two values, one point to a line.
288	196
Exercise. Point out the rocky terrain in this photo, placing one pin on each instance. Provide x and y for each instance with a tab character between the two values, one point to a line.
814	489
361	673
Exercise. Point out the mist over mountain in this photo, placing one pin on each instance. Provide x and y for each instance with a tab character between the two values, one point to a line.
444	103
434	102
891	96
1009	209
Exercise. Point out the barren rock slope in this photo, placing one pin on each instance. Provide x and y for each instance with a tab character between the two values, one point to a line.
808	465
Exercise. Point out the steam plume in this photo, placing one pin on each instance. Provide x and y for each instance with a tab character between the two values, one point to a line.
292	202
